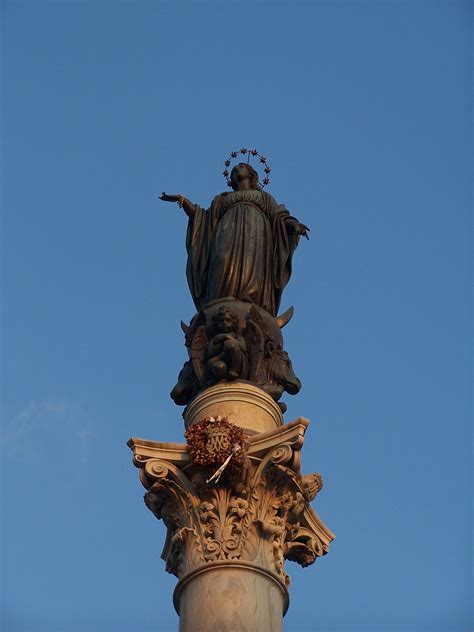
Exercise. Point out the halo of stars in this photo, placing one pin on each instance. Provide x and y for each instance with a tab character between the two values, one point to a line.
247	152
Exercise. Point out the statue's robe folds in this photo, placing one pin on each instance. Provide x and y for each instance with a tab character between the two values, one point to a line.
242	248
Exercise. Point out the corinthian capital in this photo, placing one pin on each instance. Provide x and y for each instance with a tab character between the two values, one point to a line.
257	513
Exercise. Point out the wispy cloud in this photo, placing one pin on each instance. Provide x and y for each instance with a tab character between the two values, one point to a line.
83	436
40	420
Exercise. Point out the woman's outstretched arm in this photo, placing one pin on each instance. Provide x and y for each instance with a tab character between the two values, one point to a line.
184	203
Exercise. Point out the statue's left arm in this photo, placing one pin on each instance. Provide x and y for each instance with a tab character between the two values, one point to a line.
292	225
286	231
296	227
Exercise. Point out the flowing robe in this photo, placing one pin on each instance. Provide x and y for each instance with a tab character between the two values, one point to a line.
240	247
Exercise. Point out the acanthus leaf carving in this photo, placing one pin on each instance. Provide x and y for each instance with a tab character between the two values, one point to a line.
265	519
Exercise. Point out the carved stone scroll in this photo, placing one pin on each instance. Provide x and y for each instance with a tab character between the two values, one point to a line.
260	517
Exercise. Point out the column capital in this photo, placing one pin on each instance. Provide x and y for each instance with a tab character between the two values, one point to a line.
259	516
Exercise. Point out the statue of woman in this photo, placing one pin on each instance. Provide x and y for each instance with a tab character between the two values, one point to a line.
242	246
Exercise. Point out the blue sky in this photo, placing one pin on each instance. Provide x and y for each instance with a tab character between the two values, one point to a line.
364	110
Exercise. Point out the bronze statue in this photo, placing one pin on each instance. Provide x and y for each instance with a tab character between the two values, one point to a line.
242	246
239	262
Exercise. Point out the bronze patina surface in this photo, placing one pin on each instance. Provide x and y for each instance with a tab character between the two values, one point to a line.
239	261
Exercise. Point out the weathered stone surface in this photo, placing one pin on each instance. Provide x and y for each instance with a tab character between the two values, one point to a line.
238	596
243	404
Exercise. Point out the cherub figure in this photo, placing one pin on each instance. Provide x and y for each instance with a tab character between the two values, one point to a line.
227	350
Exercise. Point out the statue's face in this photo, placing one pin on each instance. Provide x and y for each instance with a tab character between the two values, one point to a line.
241	171
225	322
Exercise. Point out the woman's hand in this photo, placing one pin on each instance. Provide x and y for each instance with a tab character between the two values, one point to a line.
170	198
184	203
303	230
299	229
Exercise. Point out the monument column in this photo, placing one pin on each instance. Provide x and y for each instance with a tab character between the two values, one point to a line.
233	498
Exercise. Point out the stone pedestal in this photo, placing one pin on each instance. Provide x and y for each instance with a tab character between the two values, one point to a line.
243	404
229	536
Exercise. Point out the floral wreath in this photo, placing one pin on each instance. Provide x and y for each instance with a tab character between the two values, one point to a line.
196	444
248	152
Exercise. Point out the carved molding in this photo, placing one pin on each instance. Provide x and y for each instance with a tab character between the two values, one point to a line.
260	516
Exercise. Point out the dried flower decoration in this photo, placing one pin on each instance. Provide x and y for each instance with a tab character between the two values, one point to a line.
215	440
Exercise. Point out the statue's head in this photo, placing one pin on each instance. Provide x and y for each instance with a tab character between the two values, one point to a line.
244	171
225	321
